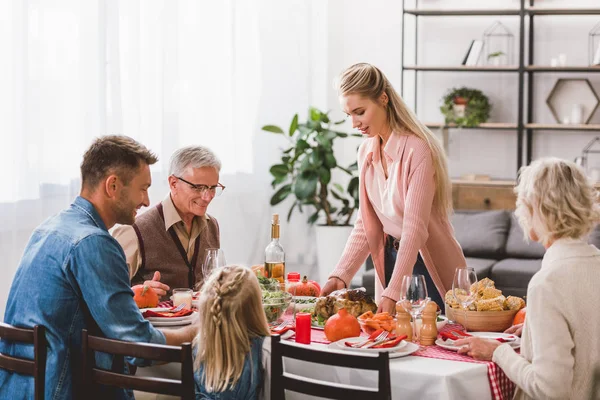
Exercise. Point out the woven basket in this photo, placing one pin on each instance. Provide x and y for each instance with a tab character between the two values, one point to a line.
482	321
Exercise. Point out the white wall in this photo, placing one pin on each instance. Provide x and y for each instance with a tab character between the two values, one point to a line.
372	33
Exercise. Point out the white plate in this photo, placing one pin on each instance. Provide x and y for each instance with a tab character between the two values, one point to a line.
512	340
165	319
308	302
407	350
171	323
341	344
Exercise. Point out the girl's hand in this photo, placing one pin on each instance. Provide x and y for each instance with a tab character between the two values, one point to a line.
387	305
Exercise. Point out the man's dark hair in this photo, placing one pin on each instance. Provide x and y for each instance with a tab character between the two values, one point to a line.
113	154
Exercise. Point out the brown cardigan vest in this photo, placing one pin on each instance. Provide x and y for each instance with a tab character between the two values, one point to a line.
162	251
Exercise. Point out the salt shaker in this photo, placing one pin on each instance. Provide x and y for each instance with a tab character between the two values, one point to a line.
403	326
429	332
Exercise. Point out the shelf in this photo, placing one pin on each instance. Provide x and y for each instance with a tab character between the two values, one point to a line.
564	127
461	68
562	11
491	182
465	12
487	125
545	68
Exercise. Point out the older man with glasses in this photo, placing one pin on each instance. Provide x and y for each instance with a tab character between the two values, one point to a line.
165	246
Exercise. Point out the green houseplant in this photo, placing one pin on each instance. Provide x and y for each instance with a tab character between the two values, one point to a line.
465	107
305	168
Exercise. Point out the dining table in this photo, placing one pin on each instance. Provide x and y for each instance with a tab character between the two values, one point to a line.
430	373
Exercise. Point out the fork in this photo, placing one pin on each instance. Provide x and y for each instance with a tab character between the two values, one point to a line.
382	336
280	326
378	340
178	308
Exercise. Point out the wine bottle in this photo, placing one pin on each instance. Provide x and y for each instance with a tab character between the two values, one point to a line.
274	254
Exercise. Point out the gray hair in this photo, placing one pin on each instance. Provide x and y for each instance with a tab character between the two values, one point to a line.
195	157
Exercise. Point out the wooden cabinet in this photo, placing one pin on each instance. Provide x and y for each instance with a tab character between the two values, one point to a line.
483	195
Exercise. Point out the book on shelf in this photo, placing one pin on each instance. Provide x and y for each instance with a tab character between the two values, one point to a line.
597	56
475	53
464	61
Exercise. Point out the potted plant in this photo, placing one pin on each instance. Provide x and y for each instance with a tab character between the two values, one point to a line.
304	173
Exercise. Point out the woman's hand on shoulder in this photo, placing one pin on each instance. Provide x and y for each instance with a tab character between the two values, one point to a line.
331	285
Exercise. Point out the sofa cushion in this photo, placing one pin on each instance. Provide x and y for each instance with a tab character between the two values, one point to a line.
482	266
514	273
482	234
517	247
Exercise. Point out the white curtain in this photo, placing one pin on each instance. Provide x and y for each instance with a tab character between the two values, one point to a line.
168	73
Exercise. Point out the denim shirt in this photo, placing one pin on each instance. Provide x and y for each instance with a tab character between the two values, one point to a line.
72	276
249	384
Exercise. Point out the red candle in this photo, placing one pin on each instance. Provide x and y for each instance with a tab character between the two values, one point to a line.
303	328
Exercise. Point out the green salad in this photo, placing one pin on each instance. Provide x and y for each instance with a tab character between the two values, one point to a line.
274	300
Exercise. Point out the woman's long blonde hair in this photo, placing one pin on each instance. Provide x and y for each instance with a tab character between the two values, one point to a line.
368	81
231	315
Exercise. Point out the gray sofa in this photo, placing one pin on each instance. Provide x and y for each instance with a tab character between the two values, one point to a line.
493	244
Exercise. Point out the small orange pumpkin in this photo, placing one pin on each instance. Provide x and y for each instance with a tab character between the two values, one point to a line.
304	288
520	316
144	296
341	325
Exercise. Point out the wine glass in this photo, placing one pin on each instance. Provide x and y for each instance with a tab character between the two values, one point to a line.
213	258
413	297
463	288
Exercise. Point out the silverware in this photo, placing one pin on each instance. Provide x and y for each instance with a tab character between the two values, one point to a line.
178	308
280	326
378	340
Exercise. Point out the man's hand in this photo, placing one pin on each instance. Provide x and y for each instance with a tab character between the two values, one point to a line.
478	348
387	305
331	285
516	330
160	288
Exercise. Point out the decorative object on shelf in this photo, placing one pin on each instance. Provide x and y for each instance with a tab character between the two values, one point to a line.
465	107
306	167
573	101
474	53
592	169
498	44
594	45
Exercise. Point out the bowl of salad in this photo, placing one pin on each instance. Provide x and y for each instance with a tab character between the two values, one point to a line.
275	301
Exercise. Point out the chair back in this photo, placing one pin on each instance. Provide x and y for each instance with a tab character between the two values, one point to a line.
281	381
119	349
35	367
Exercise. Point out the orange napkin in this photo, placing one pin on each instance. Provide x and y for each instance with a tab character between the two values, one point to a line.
166	313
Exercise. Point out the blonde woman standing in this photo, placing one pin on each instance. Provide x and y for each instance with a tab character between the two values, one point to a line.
229	357
558	207
405	194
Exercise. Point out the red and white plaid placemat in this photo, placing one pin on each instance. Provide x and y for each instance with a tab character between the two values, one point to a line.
502	388
165	304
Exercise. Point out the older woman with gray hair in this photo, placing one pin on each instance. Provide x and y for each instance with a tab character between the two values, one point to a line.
165	247
556	206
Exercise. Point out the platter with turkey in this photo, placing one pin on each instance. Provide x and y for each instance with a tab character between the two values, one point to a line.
355	301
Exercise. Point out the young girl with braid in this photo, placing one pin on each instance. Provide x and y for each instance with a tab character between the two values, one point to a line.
228	350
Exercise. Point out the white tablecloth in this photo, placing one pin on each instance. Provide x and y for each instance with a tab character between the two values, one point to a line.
412	377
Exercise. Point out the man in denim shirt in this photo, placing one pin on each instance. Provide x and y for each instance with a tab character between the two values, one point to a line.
73	274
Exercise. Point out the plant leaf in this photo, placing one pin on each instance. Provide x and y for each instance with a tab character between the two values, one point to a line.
353	188
323	141
338	187
301	145
313	218
281	194
289	216
315	158
330	161
294	125
272	128
315	114
306	186
341	121
278	180
279	170
330	134
325	175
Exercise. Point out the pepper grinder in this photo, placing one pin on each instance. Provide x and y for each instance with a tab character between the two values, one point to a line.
428	334
403	326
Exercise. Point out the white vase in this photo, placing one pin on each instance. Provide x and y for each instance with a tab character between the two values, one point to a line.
577	114
331	241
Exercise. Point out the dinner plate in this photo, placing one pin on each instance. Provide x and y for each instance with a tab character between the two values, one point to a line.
406	350
164	319
512	340
341	344
172	323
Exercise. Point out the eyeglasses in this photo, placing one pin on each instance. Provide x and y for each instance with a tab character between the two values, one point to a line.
203	189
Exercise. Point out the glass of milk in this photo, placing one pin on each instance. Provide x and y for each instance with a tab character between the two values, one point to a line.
183	296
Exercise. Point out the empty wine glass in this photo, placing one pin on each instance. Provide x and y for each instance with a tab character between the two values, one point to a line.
413	297
463	288
213	258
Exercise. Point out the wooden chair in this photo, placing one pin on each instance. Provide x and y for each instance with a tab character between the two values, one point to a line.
280	380
595	390
35	367
155	352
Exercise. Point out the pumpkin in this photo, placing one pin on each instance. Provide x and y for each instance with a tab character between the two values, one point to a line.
341	326
317	286
144	296
304	288
520	316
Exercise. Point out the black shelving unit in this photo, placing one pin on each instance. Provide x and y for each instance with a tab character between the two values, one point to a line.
524	126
